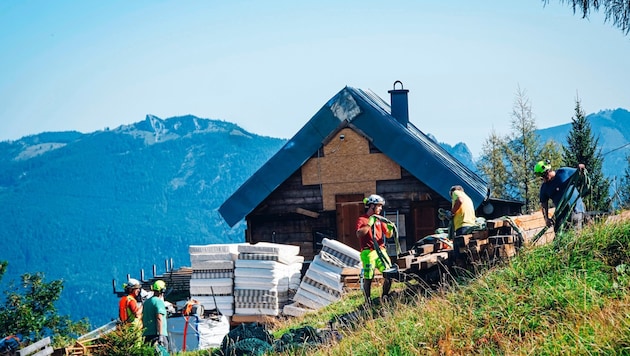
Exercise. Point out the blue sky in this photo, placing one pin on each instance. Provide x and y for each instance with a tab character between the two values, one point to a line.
268	66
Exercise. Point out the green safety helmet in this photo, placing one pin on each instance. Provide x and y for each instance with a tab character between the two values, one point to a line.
159	286
542	167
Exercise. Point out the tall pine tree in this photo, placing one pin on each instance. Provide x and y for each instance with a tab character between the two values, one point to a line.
582	148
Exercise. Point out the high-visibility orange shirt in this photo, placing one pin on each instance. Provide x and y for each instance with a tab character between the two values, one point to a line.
127	308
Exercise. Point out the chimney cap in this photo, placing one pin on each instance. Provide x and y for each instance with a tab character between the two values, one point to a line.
398	90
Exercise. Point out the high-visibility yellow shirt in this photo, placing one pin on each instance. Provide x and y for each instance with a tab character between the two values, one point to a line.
465	215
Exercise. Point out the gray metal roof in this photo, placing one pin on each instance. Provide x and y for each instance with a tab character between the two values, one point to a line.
367	113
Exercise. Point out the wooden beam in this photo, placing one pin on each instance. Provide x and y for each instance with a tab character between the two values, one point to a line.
308	213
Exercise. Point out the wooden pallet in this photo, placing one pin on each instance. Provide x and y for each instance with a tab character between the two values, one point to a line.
39	348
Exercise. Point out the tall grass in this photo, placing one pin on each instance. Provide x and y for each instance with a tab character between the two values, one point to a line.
569	297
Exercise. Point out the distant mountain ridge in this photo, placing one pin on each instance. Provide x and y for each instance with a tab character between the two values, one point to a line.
90	207
612	128
87	208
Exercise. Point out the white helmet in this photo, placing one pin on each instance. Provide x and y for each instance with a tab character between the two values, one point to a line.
133	283
374	199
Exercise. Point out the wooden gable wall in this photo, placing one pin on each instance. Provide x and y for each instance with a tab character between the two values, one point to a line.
323	198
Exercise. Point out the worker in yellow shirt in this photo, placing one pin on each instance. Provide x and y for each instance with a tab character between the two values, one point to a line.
463	211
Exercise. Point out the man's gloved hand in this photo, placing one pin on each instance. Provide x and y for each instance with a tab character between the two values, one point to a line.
371	220
390	227
549	222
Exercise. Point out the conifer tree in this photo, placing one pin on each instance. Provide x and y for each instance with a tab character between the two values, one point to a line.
582	147
617	11
492	165
522	153
624	187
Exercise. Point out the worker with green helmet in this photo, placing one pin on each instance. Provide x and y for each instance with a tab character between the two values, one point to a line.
154	316
555	184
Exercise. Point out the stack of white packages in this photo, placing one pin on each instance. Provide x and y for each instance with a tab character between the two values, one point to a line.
322	284
263	275
212	280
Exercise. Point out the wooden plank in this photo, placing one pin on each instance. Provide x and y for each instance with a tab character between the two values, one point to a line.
478	243
501	239
103	330
532	224
533	220
424	249
428	261
405	261
263	319
624	215
308	213
42	347
407	253
506	251
547	237
351	271
462	240
480	234
495	223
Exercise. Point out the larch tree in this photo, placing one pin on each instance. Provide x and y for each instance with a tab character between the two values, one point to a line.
522	152
582	147
616	11
492	165
552	150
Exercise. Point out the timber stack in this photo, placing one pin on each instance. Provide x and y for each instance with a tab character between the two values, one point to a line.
499	240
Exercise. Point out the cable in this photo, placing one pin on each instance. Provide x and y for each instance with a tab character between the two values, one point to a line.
615	149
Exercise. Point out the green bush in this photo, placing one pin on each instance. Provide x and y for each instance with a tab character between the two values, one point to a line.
126	340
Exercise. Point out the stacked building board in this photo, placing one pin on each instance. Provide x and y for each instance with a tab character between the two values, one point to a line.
322	284
264	274
212	280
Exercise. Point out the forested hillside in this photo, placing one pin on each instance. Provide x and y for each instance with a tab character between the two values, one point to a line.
87	208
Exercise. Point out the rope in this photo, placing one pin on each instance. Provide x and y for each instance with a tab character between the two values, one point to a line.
377	248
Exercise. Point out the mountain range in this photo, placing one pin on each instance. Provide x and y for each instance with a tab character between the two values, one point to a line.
89	208
612	130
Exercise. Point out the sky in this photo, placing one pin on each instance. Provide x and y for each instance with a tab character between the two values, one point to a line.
269	66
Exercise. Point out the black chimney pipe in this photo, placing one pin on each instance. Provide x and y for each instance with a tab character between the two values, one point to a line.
400	103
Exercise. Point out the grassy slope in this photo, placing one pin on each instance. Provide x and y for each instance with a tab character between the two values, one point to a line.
567	298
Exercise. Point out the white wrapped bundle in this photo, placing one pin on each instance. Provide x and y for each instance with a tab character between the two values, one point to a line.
211	286
270	248
212	249
295	309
